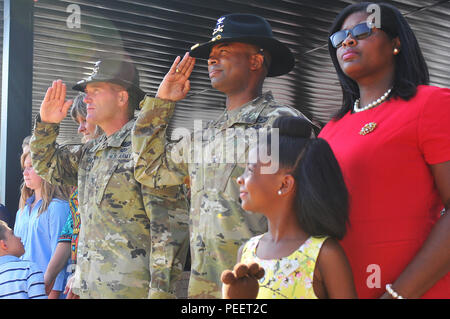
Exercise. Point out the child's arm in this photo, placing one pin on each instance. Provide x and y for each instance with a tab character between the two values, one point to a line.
56	264
334	272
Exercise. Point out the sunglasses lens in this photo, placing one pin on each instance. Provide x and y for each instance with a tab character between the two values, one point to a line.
338	37
361	31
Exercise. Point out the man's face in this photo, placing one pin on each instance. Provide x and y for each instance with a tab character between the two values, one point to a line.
102	100
229	66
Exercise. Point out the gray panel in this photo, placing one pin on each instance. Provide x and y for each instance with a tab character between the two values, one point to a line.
153	32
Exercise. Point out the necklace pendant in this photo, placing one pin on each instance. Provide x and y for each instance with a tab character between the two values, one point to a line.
368	128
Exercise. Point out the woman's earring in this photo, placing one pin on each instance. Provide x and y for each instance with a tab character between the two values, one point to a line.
280	192
396	51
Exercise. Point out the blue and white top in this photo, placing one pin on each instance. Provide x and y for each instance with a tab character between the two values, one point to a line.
39	234
20	279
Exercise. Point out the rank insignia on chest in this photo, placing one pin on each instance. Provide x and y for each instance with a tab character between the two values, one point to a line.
368	128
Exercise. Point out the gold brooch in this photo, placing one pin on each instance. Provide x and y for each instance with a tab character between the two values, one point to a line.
369	127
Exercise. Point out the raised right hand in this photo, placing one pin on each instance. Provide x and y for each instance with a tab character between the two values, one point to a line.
175	85
54	107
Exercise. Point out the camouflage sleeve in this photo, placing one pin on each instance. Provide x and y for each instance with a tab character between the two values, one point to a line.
164	196
169	229
152	154
57	165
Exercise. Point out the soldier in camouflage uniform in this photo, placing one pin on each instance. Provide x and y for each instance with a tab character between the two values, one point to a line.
240	55
134	240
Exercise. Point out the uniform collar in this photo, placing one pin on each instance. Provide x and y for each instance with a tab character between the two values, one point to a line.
116	139
249	112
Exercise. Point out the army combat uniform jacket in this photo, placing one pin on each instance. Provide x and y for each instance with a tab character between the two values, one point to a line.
218	224
115	257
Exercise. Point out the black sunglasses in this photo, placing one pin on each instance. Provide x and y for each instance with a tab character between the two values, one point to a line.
359	31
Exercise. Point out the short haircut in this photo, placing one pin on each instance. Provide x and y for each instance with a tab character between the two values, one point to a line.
410	67
267	57
134	98
3	229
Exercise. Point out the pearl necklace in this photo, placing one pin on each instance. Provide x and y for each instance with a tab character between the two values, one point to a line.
357	109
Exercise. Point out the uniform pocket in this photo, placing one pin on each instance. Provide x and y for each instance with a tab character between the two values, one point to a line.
103	180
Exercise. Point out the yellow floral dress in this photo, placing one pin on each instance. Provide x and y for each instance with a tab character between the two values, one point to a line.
289	277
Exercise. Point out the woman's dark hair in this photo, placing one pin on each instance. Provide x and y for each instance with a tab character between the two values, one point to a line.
321	200
410	67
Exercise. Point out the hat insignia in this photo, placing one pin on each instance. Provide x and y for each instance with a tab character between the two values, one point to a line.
219	25
95	70
219	28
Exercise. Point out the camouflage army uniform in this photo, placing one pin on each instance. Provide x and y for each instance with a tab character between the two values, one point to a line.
218	224
114	258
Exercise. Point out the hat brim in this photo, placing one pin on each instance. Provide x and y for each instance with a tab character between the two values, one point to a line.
81	86
282	59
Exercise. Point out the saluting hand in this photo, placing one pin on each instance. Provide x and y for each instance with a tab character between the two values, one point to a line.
54	107
175	84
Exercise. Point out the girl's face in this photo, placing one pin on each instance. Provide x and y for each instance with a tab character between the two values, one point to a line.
258	192
32	180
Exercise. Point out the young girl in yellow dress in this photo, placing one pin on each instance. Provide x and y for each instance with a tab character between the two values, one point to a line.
306	204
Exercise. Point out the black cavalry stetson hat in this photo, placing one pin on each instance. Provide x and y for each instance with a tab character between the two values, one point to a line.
120	72
252	29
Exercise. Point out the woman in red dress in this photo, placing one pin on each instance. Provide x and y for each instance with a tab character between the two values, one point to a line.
392	140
